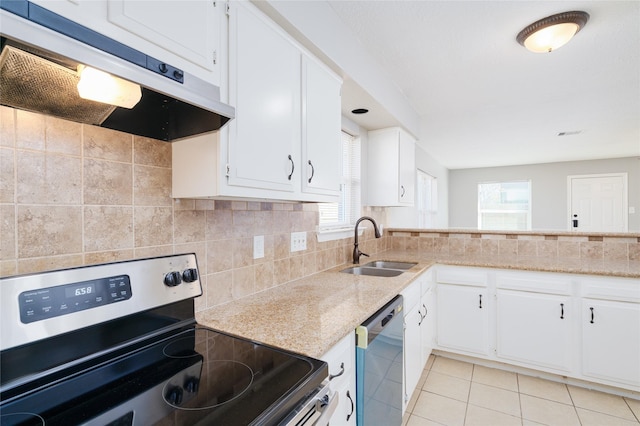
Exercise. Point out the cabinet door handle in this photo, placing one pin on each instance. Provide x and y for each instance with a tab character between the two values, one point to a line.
425	310
293	167
352	406
402	189
480	301
562	311
313	171
333	376
591	315
421	318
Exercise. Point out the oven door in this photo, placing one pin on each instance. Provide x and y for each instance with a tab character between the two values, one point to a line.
315	410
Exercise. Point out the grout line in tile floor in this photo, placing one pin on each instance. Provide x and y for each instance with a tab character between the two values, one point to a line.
452	393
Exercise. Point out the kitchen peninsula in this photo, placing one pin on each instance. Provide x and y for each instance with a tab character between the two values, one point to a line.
311	314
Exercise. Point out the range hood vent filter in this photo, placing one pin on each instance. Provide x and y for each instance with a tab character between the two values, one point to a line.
27	81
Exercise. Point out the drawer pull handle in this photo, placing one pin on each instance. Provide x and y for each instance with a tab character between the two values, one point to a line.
352	406
562	311
591	315
333	376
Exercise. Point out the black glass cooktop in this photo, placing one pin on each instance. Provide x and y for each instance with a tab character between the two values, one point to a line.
196	376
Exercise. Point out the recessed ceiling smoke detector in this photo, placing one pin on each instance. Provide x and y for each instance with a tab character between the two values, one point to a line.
360	111
552	32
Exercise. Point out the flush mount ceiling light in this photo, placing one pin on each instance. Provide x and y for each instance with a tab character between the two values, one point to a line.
552	32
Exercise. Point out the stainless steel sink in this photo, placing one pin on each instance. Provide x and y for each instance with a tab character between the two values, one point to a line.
391	265
375	272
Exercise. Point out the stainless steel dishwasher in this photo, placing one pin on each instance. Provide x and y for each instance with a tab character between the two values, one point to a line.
379	345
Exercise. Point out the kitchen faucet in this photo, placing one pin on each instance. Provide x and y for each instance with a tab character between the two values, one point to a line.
356	251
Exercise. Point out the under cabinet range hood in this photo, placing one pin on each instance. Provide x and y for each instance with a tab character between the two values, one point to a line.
44	56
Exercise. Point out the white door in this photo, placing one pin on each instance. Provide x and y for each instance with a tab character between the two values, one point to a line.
598	203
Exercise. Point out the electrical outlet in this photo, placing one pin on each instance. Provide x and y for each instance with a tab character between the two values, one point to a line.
258	246
298	241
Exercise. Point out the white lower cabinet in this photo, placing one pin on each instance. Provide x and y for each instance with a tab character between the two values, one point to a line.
342	374
463	318
610	325
536	319
582	327
419	332
535	328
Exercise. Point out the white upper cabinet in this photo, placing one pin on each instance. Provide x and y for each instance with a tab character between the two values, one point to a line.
284	143
185	34
321	121
391	167
265	80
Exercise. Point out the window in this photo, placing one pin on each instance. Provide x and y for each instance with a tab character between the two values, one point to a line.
427	201
504	205
347	210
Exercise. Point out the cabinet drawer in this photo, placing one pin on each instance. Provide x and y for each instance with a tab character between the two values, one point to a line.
534	282
462	276
411	295
612	288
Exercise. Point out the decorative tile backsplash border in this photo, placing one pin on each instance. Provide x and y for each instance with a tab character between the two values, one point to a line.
543	244
73	194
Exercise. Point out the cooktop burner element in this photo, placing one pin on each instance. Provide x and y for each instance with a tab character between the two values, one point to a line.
138	358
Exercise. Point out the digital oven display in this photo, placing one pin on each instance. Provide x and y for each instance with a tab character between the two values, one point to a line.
80	291
37	305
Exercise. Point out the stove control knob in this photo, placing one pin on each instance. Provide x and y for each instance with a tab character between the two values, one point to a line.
190	275
174	395
192	384
172	279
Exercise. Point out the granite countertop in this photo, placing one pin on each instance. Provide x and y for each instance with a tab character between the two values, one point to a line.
311	314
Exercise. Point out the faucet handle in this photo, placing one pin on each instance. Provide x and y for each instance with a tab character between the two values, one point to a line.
364	254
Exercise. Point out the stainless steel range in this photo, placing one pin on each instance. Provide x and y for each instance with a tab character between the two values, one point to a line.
118	344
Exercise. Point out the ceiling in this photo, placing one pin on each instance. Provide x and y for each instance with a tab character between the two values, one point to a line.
483	99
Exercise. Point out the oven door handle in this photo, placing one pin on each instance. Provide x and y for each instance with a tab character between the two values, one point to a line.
327	409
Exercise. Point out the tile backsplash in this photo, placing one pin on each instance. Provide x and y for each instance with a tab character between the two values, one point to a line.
530	244
74	194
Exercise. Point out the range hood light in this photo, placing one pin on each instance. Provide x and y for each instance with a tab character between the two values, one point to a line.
99	86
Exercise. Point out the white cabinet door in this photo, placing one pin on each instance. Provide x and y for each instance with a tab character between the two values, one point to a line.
185	34
342	374
188	29
321	134
463	318
412	353
392	169
611	341
535	328
407	169
428	321
264	138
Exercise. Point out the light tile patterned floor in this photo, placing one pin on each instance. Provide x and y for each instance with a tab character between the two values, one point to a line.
455	393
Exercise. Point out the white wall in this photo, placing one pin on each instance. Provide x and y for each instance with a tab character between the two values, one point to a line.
407	217
548	187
